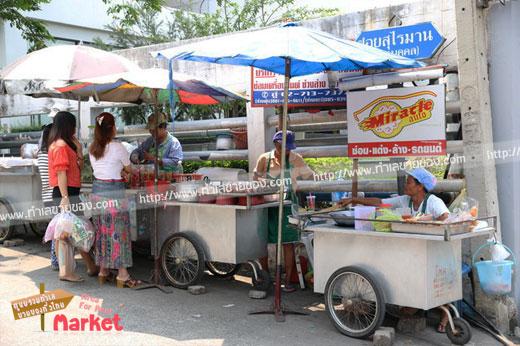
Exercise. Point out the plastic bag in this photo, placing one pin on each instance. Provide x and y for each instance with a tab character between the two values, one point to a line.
65	225
499	253
83	234
51	227
386	215
29	151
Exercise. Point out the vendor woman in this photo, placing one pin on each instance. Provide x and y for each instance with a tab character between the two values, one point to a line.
170	149
417	197
268	167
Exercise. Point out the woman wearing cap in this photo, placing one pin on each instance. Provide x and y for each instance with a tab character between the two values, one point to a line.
65	164
268	167
170	149
417	197
113	246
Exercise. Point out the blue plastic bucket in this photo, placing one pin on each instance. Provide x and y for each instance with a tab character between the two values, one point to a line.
495	276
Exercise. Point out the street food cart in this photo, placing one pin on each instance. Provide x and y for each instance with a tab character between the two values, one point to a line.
20	193
221	236
361	271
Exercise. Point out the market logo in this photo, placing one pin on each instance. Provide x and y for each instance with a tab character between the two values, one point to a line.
387	118
52	301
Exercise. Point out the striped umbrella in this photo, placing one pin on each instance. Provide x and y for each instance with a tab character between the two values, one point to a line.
146	86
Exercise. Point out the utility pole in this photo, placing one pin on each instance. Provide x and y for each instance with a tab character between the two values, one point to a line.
477	133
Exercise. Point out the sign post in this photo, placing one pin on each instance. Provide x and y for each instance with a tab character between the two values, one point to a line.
40	304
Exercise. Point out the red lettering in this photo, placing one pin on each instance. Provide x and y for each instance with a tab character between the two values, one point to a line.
116	323
413	109
74	324
94	322
403	113
106	324
60	319
84	322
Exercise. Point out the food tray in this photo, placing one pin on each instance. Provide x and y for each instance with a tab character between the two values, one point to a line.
431	228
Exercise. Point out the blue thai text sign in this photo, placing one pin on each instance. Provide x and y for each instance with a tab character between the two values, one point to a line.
418	41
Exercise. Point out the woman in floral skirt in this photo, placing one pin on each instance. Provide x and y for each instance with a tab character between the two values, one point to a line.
113	246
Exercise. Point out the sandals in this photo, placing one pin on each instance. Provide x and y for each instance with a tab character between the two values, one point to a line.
102	279
76	279
128	282
441	328
289	288
93	273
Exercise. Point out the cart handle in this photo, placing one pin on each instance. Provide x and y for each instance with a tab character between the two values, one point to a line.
489	244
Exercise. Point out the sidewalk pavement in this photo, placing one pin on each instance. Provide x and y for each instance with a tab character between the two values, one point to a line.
151	317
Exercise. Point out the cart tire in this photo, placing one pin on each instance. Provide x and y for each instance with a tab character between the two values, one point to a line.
39	228
222	270
182	260
7	229
263	281
361	301
463	332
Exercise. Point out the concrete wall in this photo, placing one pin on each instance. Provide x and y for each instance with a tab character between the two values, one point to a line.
504	73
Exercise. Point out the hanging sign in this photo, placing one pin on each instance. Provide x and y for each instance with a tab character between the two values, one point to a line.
418	41
310	90
397	122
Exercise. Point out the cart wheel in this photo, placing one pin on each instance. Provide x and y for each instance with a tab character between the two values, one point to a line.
38	228
182	260
222	270
354	302
462	333
263	281
6	227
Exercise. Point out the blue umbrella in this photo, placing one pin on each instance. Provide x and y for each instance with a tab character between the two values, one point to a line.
291	50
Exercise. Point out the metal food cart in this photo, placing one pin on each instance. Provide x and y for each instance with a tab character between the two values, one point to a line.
194	236
361	271
20	193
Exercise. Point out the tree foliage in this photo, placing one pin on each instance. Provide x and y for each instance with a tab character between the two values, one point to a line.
33	30
142	22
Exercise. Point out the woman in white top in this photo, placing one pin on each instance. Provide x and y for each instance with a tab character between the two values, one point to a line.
113	246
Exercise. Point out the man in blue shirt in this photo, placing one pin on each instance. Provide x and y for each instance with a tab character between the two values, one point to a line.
170	149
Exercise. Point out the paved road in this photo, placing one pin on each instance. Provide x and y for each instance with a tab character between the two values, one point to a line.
150	317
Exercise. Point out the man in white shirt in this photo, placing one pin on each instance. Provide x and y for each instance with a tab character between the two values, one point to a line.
417	197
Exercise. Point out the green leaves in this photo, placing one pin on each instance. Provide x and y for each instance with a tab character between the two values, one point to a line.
32	30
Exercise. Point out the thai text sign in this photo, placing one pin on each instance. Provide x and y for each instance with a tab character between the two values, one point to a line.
419	41
310	90
41	304
397	122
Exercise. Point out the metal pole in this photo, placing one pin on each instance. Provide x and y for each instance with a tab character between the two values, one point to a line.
79	118
278	313
156	268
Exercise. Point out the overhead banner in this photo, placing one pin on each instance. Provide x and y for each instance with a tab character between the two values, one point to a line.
397	122
310	90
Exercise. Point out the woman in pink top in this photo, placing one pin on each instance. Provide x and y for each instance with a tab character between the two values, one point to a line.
65	164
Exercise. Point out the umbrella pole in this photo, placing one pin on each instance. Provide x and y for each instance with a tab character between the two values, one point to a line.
156	272
278	309
79	118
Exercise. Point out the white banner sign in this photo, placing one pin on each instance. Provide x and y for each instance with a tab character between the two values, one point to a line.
397	122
